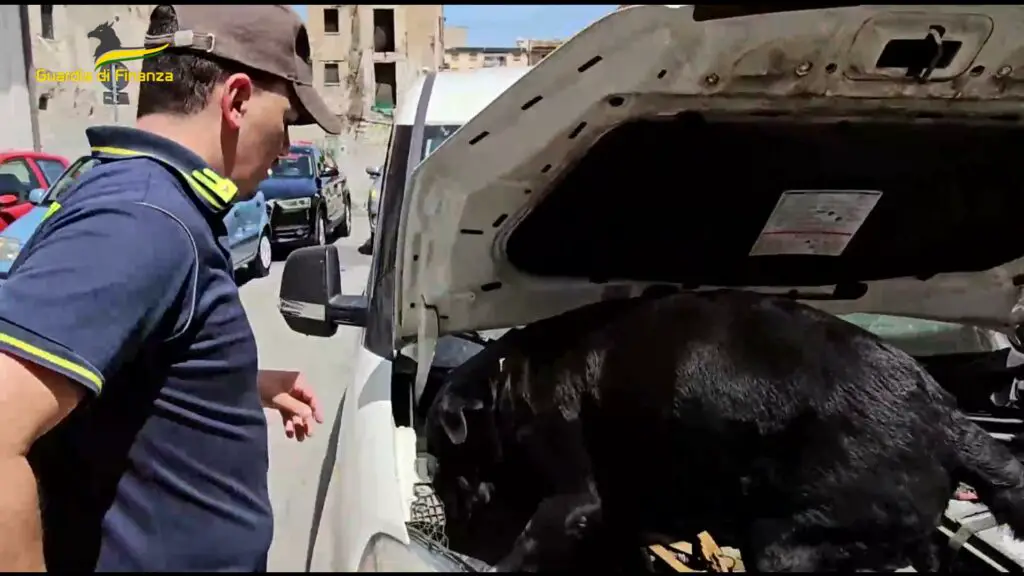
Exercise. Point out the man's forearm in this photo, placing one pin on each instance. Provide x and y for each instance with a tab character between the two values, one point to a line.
21	547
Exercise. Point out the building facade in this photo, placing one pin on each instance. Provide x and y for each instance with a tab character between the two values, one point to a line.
15	100
538	50
455	36
526	52
364	56
471	58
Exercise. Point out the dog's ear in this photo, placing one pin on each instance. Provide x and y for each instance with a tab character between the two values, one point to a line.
453	418
454	422
484	492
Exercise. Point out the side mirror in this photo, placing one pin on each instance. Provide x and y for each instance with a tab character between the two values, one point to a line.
373	171
311	301
329	172
36	195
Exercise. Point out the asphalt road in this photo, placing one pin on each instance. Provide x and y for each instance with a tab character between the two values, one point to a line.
295	468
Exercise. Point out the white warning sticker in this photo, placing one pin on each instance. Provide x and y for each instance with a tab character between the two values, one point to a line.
814	222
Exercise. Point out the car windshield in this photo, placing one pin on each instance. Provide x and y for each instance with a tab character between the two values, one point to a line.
292	167
928	337
70	176
434	136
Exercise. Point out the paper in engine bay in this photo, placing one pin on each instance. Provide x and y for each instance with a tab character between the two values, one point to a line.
814	222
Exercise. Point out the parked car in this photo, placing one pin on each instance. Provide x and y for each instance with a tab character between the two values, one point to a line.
812	138
21	172
247	224
308	198
372	206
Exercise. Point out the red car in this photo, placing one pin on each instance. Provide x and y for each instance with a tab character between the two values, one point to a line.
20	173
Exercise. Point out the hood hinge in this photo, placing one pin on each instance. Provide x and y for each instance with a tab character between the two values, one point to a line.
426	345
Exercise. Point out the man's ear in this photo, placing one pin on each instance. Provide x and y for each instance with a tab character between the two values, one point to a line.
237	90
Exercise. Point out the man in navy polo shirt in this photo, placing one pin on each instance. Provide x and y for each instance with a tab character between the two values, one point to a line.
132	435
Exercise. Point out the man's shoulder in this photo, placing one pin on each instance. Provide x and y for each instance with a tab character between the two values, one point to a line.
130	186
137	180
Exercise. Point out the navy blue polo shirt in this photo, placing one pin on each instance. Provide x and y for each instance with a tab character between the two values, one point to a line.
127	289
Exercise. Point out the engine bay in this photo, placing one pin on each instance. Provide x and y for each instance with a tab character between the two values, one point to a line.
983	382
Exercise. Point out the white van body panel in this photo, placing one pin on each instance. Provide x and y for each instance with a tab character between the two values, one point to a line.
375	470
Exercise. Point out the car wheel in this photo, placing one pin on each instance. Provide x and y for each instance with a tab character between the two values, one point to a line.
320	238
260	265
345	228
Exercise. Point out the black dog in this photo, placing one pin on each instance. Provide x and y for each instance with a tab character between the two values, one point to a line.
471	467
802	439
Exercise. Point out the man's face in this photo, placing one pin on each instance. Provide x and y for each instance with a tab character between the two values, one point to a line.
257	120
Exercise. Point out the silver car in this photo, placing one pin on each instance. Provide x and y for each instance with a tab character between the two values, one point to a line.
372	205
373	198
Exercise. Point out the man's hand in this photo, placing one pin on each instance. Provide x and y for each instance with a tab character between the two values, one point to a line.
288	393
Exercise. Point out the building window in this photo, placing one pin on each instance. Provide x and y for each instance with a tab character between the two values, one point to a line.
46	17
332	21
385	80
473	56
493	61
455	57
383	30
332	74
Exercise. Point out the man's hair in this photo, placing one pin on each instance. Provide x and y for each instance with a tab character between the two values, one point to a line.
195	75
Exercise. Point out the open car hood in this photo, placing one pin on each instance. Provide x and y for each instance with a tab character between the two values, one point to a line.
861	158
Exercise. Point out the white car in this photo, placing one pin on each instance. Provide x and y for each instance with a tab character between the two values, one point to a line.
858	158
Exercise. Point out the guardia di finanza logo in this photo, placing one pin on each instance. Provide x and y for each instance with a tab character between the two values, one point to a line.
109	69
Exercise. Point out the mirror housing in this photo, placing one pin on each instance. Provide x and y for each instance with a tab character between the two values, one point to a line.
373	171
311	300
36	195
329	172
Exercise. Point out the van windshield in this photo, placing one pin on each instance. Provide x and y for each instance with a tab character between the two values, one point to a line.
924	338
434	136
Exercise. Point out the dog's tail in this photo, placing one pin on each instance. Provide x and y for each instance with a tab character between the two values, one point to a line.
991	469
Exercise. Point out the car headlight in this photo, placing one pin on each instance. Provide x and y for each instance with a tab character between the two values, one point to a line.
9	249
295	203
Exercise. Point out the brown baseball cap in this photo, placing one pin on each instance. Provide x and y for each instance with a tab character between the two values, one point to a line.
268	38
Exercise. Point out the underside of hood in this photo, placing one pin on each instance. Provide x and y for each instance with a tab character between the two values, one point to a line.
860	158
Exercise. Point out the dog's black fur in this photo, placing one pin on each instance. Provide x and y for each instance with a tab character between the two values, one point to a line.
473	467
802	439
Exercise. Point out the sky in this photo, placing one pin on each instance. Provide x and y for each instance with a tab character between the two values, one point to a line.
499	25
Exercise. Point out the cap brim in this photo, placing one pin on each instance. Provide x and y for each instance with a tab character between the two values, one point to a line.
313	110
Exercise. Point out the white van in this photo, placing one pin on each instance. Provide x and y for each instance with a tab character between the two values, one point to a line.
453	98
859	158
376	411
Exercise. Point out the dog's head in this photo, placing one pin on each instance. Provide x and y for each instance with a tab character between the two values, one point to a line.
462	434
